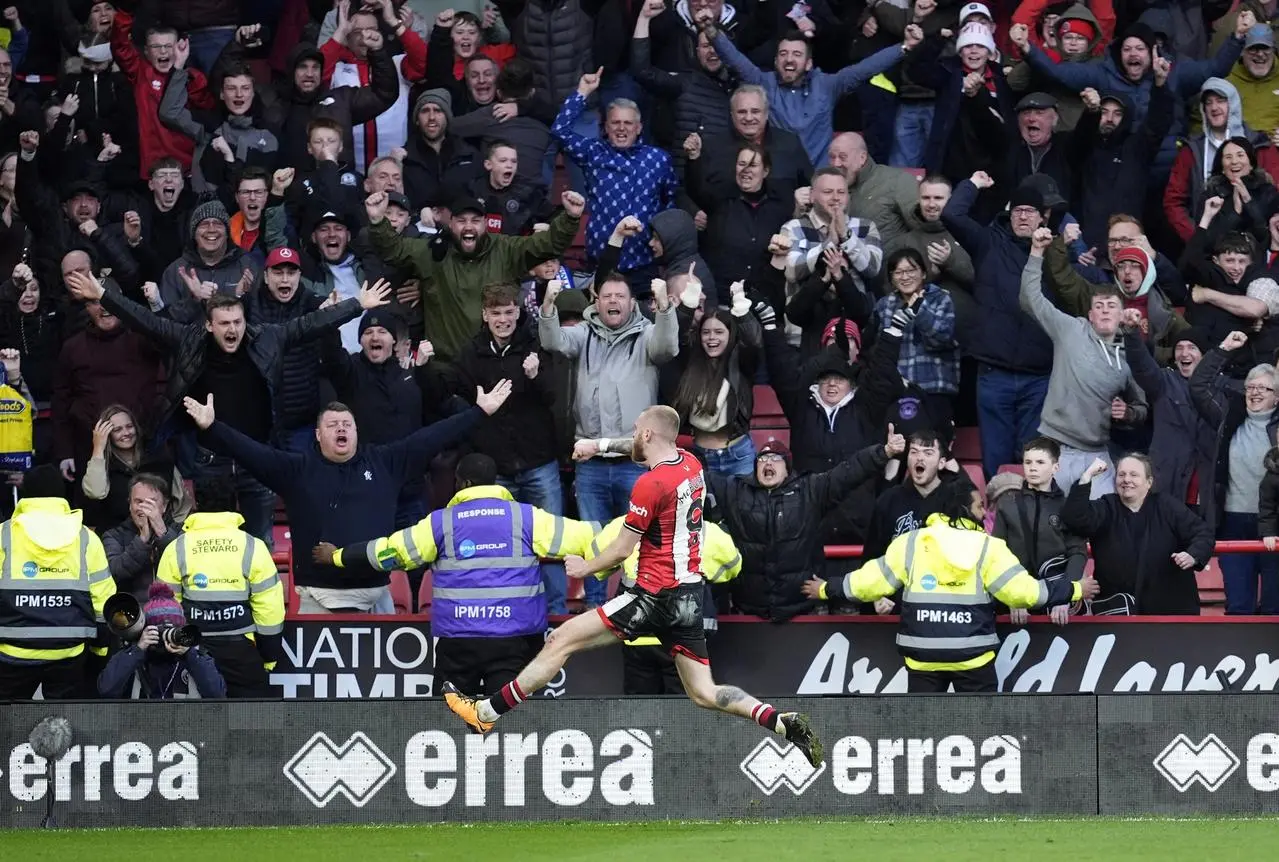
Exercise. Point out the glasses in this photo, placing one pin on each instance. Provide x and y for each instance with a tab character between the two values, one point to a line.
911	272
252	193
770	456
1258	389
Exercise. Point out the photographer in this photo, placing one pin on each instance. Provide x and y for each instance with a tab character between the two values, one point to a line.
157	667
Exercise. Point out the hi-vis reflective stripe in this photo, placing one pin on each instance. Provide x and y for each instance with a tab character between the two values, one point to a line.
410	550
224	596
245	630
978	595
47	632
889	575
1008	574
264	585
488	592
557	538
449	562
725	568
990	640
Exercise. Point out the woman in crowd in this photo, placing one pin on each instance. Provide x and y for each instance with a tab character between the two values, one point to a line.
1248	191
1147	546
926	315
118	456
31	324
715	396
1246	419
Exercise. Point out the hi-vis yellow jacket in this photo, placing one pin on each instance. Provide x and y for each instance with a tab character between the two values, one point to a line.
54	582
226	581
720	560
950	578
416	546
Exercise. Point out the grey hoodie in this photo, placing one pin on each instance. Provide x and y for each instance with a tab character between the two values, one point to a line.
678	235
616	368
1087	372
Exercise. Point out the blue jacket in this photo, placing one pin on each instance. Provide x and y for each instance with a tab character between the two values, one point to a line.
1003	335
1106	76
807	109
160	676
341	503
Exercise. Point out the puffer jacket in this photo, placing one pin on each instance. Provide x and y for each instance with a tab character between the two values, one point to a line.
1260	107
513	210
557	37
616	369
189	346
700	99
1005	336
521	434
678	235
299	391
778	533
435	178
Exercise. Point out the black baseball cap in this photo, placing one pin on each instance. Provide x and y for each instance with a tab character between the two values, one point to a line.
467	203
398	199
1036	100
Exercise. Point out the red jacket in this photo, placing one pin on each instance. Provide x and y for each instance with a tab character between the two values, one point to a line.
1032	12
1183	196
156	139
413	68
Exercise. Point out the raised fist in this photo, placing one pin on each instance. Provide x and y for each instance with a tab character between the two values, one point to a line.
531	365
981	180
574	204
375	207
281	180
445	19
1091	99
1234	341
1041	239
29	141
1019	35
693	146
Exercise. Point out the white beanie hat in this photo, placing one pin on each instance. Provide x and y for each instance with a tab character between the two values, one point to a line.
975	34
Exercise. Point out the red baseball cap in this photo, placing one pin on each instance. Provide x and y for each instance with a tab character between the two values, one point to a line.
283	256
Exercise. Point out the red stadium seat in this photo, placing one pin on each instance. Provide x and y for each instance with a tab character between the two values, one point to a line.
1011	468
766	404
684	441
975	473
401	593
967	446
760	436
918	173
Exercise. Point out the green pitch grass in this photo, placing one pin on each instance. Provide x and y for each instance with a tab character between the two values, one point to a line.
918	840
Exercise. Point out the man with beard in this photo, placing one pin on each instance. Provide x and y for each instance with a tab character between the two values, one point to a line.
949	266
239	363
341	492
210	265
471	259
800	97
437	164
158	228
335	267
1256	77
233	136
699	96
346	63
1128	70
103	364
304	98
148	72
59	223
1115	152
1091	385
282	298
791	168
624	176
512	205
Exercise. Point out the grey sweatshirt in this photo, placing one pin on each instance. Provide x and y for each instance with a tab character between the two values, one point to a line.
1248	449
1088	372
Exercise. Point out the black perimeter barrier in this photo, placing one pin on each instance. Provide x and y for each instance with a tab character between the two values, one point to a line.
410	761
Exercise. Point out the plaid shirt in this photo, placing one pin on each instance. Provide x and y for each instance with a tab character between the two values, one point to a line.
930	353
810	236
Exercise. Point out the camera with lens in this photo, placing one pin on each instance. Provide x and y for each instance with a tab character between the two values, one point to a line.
126	619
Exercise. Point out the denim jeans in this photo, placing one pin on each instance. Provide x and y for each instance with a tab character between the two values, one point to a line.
738	459
540	487
256	501
1009	405
206	45
1075	462
603	490
588	126
911	130
1239	572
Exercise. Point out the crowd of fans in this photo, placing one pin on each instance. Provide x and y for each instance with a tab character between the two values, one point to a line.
1057	222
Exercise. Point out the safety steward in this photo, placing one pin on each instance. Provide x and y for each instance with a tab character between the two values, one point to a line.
488	603
229	588
54	582
950	574
647	668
